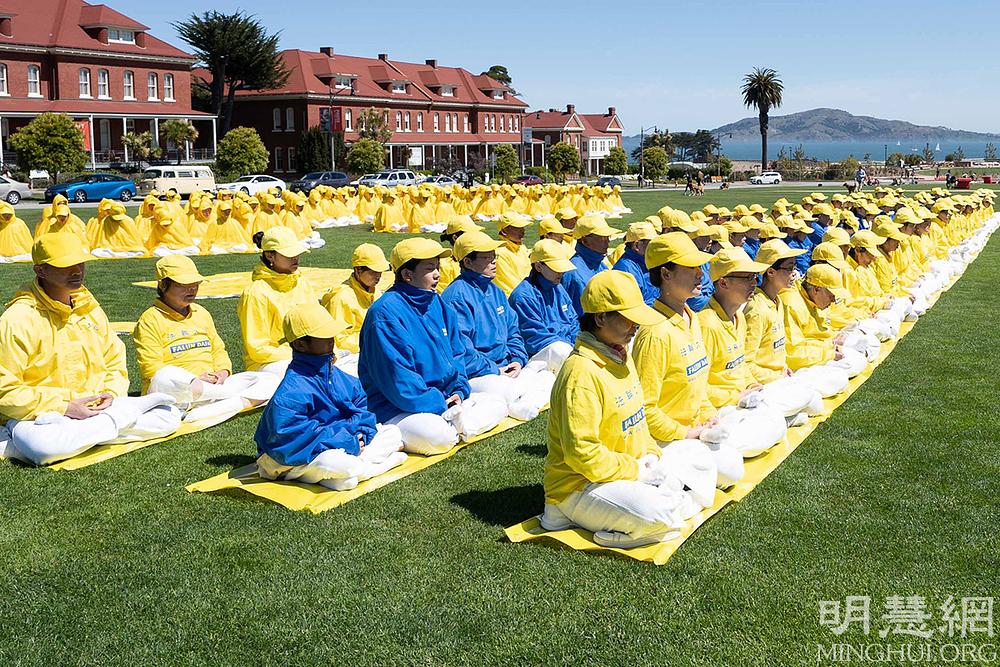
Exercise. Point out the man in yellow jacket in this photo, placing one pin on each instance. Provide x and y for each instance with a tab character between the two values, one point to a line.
809	338
63	380
349	301
513	258
765	312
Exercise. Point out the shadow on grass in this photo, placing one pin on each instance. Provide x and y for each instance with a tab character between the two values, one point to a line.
231	460
539	451
503	507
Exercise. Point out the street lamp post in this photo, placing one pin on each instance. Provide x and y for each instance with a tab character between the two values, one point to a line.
642	151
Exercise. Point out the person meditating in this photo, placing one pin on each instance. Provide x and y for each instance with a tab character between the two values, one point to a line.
63	379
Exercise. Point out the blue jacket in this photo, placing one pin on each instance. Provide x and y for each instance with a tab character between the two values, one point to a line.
816	237
751	246
802	261
588	264
411	353
634	263
545	313
487	324
696	303
316	407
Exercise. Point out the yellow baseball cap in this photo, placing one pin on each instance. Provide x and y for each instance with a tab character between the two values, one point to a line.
655	221
552	226
470	242
836	235
462	223
824	275
733	260
283	241
906	216
370	255
553	255
867	240
566	212
720	234
769	230
942	205
416	248
639	231
179	268
700	228
59	249
823	209
889	230
310	319
618	292
734	226
775	250
593	224
682	221
829	253
675	247
511	220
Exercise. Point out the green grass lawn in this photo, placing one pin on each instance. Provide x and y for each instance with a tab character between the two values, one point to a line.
894	495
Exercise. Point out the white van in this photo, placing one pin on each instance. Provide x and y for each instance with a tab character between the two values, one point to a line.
185	179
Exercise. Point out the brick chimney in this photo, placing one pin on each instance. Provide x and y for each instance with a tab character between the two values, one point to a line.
611	111
570	108
383	56
551	110
431	62
6	26
326	51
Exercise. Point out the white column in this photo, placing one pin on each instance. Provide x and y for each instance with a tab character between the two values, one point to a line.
434	155
93	158
156	132
124	132
465	155
1	141
187	150
390	156
214	139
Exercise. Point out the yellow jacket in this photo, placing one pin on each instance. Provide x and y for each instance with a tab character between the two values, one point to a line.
115	236
597	426
728	373
226	233
262	308
808	336
51	353
862	283
164	337
15	237
449	270
348	303
513	266
887	277
673	369
765	338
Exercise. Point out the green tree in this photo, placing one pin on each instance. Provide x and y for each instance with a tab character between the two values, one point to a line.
928	153
894	159
139	145
374	124
180	133
911	160
507	167
655	163
848	167
314	149
616	163
499	73
240	152
239	54
990	153
959	154
762	90
51	142
365	156
563	159
663	139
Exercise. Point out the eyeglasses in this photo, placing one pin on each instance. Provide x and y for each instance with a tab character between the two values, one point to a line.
746	277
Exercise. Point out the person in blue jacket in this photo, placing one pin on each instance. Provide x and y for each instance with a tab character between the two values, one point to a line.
412	358
633	260
545	315
495	357
798	239
317	427
593	235
703	242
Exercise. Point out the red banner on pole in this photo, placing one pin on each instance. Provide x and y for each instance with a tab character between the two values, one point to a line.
84	127
337	119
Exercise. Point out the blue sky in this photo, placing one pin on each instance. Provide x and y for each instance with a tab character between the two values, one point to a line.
675	65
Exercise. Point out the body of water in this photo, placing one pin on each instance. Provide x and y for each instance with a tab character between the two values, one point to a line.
838	150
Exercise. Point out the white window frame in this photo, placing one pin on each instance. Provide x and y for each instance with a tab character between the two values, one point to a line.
153	85
168	87
103	84
406	122
502	123
498	94
447	122
83	76
36	80
399	121
420	121
517	123
289	119
348	119
279	158
276	119
437	122
342	83
447	91
398	88
117	36
291	160
3	80
465	118
128	85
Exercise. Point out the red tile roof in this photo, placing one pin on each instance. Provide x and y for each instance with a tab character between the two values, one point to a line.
311	72
59	23
552	119
600	124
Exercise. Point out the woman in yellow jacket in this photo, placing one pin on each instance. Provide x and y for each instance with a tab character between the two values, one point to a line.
144	218
62	220
349	302
170	235
765	313
603	470
276	285
116	235
513	258
181	354
389	216
225	235
15	238
809	338
269	215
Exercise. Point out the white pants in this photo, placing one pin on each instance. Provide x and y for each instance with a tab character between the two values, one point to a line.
553	355
163	251
428	434
750	432
52	437
525	395
851	361
336	469
216	401
7	259
108	253
225	250
825	379
727	461
275	367
349	363
790	396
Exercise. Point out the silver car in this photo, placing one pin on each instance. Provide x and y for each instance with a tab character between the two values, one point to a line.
13	191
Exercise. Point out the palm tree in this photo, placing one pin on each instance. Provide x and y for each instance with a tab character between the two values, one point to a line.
762	89
179	133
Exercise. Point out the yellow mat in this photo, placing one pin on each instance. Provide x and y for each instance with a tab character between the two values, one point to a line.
229	285
315	498
102	453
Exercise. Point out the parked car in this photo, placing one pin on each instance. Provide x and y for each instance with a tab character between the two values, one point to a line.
253	183
335	179
362	180
610	181
91	187
13	191
183	179
440	181
391	178
529	179
766	178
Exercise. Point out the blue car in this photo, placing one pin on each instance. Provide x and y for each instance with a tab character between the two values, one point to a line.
92	187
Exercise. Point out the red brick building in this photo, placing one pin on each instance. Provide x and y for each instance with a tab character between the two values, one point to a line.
593	135
435	112
100	67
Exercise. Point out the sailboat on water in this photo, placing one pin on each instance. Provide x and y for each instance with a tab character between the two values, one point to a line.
898	143
937	147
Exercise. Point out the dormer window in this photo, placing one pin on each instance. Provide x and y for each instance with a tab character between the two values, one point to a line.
447	91
343	83
498	94
118	36
398	87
